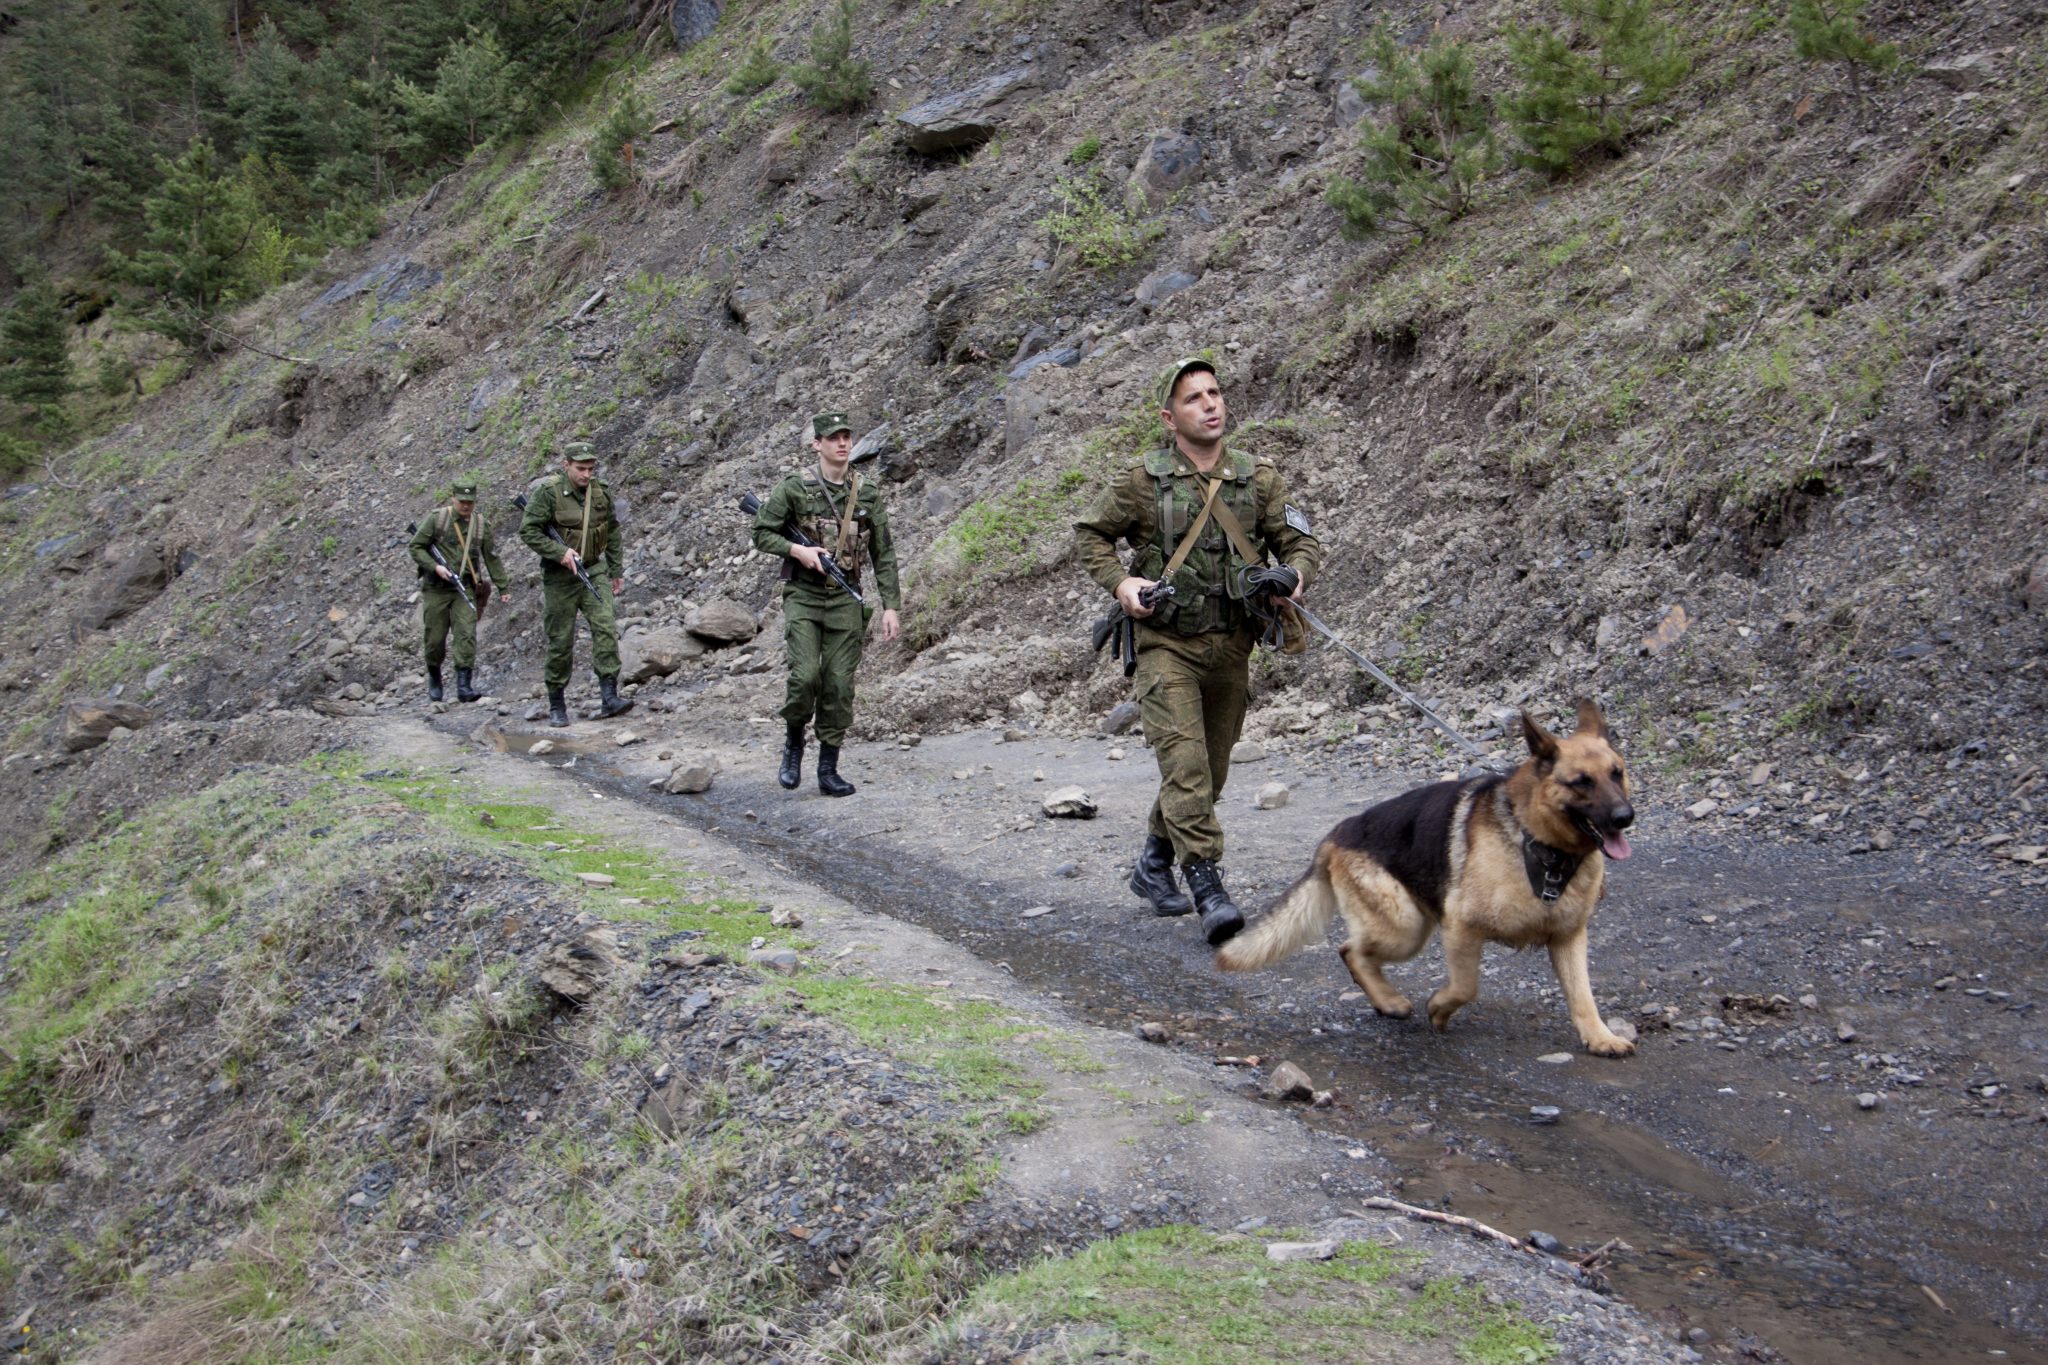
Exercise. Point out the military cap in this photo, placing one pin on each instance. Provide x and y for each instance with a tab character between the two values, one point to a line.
1179	368
582	452
829	424
464	488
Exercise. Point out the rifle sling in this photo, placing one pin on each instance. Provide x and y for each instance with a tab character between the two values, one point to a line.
1194	532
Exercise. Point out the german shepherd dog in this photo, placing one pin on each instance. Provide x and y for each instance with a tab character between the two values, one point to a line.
1518	860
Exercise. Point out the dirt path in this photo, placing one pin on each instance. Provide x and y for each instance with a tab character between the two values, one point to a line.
1763	1202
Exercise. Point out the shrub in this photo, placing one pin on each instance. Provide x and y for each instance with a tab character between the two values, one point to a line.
1086	150
1581	91
1425	156
1103	235
832	80
614	147
1832	31
756	72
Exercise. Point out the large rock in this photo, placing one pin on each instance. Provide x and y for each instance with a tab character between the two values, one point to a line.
691	774
127	588
646	654
968	117
1069	803
576	969
722	621
1169	164
89	723
692	21
491	390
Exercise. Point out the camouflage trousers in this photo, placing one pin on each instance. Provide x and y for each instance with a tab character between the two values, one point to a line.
824	647
445	614
1191	692
562	596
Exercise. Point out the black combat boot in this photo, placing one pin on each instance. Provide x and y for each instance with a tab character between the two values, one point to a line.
1153	879
829	780
792	770
465	689
610	703
558	709
1220	919
433	682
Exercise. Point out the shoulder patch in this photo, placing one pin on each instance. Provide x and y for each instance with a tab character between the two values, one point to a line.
1296	518
1159	463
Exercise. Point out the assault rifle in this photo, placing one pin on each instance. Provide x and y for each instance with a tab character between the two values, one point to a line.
556	536
1120	626
453	577
751	505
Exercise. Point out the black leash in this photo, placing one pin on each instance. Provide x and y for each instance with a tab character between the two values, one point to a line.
1379	674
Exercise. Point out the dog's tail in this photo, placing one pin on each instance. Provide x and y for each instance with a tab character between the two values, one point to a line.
1290	923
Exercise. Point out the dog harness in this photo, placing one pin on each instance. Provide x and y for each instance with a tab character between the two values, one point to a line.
1550	869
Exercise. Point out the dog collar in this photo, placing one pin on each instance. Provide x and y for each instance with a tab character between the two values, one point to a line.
1550	869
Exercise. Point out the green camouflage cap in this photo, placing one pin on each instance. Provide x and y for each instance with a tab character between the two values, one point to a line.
1179	368
829	424
581	452
464	488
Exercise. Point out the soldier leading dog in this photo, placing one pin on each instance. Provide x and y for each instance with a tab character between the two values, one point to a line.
1519	860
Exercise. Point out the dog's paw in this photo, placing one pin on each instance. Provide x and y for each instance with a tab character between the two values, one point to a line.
1395	1007
1610	1045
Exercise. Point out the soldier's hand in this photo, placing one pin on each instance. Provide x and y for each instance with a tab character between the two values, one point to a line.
446	577
618	586
808	556
892	624
569	560
1127	596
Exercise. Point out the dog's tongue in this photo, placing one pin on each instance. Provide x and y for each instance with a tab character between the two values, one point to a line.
1615	845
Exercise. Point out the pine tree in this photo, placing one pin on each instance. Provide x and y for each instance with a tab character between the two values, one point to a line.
35	357
756	72
614	149
832	80
1427	154
199	227
272	112
1832	31
1582	91
476	94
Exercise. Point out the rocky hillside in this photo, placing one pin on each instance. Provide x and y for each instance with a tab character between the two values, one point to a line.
1738	430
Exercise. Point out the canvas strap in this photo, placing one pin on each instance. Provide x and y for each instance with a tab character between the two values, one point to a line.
1194	533
846	529
467	570
1239	541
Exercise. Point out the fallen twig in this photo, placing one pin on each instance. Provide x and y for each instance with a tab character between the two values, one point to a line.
1380	1201
250	345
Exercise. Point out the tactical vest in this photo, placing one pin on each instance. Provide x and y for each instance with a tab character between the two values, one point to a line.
819	519
569	517
1207	589
451	549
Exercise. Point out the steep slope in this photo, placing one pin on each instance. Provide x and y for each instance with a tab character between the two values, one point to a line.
1769	382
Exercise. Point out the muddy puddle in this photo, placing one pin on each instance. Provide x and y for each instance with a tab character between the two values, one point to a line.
1752	1272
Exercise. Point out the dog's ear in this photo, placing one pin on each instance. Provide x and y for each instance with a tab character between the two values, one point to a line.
1591	722
1542	743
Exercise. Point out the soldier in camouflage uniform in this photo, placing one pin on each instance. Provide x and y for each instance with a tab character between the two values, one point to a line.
1194	649
466	551
824	628
575	504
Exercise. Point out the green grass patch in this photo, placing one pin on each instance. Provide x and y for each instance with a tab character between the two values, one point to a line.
1198	1298
646	886
958	1039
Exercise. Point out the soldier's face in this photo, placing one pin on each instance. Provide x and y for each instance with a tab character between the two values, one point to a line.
1196	413
834	449
464	506
579	471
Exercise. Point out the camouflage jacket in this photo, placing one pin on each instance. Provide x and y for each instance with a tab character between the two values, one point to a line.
554	501
805	500
1152	504
467	546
